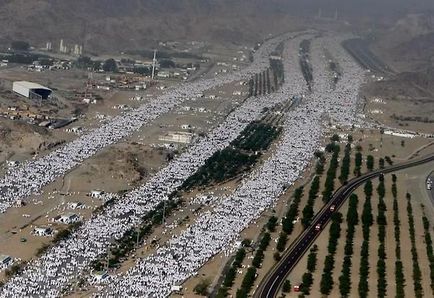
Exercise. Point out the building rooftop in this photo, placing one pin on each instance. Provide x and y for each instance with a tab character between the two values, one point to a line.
31	85
68	215
4	258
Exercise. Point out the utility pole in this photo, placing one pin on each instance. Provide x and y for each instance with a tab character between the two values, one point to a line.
164	212
108	258
138	233
154	62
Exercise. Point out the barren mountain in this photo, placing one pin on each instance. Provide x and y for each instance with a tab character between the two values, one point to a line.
115	24
408	45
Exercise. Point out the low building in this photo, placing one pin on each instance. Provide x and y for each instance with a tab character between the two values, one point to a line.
68	218
12	163
186	126
76	129
45	123
75	205
99	276
19	203
176	289
96	193
5	261
163	74
31	90
177	137
101	87
43	231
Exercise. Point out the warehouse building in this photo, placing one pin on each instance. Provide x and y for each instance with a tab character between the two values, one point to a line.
31	90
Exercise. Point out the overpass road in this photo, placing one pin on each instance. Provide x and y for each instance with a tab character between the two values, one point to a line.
271	284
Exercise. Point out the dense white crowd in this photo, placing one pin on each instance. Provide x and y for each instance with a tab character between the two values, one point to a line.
20	182
214	231
341	104
48	275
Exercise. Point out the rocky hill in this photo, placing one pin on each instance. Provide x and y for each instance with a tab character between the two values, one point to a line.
114	24
129	24
408	45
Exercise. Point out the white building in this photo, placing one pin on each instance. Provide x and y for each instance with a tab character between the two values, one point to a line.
75	205
31	90
43	231
163	74
19	203
75	129
99	276
96	193
12	163
177	137
5	261
186	126
176	289
68	218
105	88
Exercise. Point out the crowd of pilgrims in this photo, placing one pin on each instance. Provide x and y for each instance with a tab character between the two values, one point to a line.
21	182
214	230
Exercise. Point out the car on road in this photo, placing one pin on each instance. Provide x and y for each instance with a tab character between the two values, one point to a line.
332	208
318	227
297	288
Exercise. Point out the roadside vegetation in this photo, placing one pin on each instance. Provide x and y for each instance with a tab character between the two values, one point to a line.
250	276
352	220
417	274
331	173
124	246
399	274
326	284
229	278
292	212
238	157
307	279
367	221
306	68
381	222
429	249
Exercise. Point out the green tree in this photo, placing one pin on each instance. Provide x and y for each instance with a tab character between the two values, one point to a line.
335	138
20	45
272	223
381	163
167	63
277	257
281	242
110	65
202	287
286	287
370	162
307	283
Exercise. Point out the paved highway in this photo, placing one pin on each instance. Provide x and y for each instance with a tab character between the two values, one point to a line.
360	51
271	284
